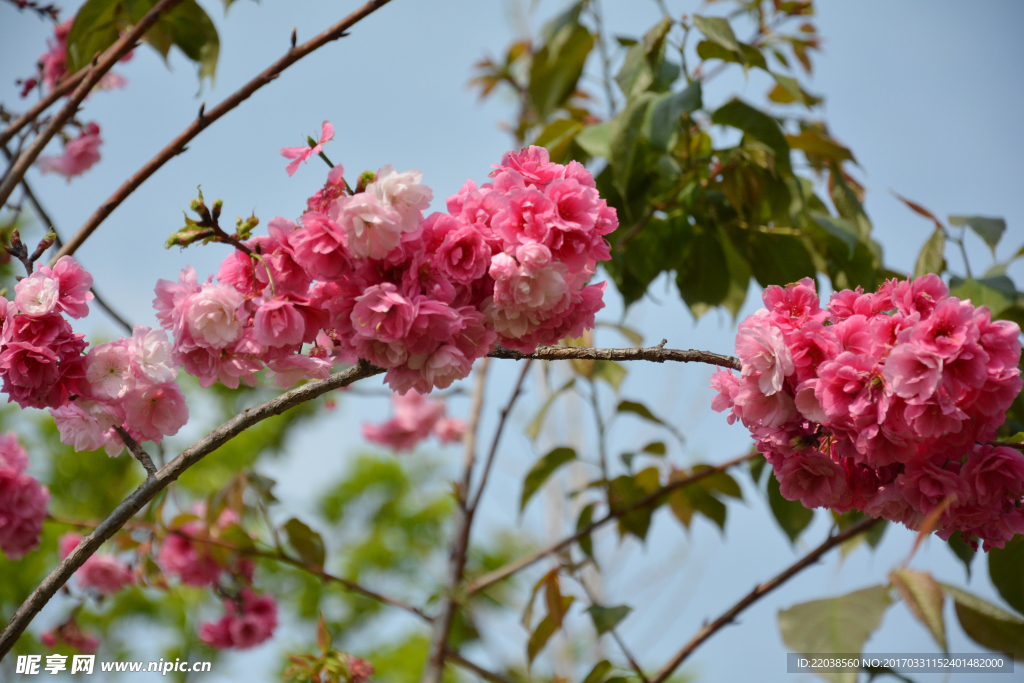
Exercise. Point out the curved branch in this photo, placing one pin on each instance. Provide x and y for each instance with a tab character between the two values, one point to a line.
759	592
511	568
205	118
154	484
100	66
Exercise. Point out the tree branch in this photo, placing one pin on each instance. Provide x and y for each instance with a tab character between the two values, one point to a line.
434	667
497	436
167	474
483	673
205	118
759	592
655	354
65	86
137	451
100	66
511	568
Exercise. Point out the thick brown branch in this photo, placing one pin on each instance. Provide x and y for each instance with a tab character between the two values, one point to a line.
656	354
759	592
167	474
512	567
100	66
205	118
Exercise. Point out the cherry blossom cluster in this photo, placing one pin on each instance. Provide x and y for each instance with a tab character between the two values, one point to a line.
102	573
129	383
41	360
23	501
415	418
249	619
363	274
884	403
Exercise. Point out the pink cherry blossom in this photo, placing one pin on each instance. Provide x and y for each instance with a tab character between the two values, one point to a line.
101	572
12	453
813	479
79	154
213	316
302	154
37	294
403	193
247	623
371	229
155	411
23	502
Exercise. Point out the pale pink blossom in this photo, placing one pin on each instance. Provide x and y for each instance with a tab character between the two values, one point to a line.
278	323
150	354
294	368
37	294
86	425
101	572
213	316
764	353
403	193
155	411
370	228
302	154
109	369
79	154
449	429
12	454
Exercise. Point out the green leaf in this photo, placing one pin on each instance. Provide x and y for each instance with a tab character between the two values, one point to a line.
719	482
813	141
624	491
931	258
924	598
757	124
644	66
533	429
703	276
962	550
307	543
611	372
545	629
542	470
557	67
557	137
988	229
1006	569
640	410
95	28
839	625
790	514
839	228
665	112
635	338
186	26
607	618
598	673
624	139
777	259
718	31
747	56
788	90
596	140
989	626
997	292
585	519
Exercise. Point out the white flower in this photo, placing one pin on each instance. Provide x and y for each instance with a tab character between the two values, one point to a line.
37	294
403	192
108	369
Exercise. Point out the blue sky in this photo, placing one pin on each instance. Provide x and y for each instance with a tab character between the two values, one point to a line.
922	91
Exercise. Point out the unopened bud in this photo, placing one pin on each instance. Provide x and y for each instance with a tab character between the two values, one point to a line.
365	178
217	206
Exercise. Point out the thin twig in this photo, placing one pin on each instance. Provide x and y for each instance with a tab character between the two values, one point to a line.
655	354
205	118
136	450
456	658
497	436
255	552
100	66
167	474
434	667
48	222
759	592
511	568
66	85
615	635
